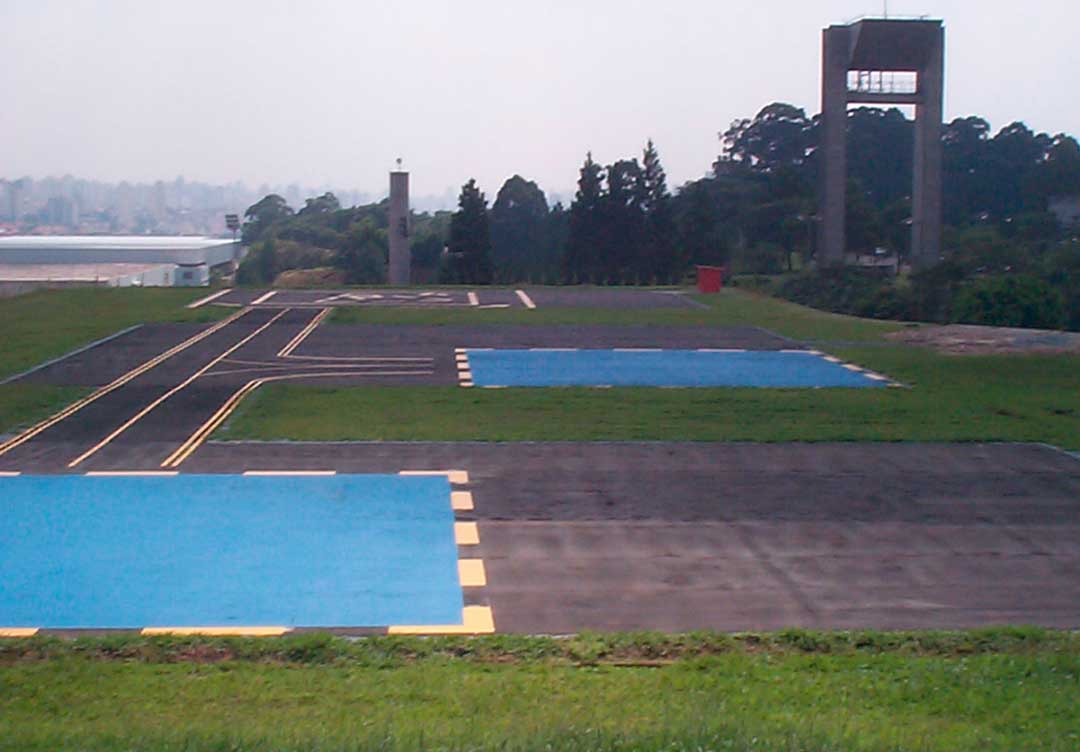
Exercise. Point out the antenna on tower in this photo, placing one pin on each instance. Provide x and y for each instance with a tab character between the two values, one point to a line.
399	164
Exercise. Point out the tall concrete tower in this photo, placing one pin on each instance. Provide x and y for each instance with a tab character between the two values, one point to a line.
883	61
400	257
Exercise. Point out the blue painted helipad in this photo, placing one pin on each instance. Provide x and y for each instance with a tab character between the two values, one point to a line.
685	368
227	550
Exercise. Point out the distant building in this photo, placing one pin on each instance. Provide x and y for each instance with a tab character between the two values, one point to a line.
1067	210
16	279
88	258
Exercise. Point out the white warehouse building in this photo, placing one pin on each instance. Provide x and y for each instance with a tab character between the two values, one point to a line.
28	261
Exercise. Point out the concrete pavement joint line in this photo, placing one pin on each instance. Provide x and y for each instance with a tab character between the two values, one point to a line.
65	356
264	298
209	298
286	351
116	384
18	631
182	385
523	296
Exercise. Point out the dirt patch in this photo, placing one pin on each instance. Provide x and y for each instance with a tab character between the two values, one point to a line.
966	339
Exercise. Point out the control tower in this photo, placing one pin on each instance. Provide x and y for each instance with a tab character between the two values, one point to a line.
883	61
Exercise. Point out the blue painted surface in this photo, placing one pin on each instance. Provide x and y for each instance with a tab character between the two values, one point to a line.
690	368
221	550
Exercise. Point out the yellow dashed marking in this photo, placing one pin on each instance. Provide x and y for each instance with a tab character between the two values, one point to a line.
471	572
219	631
466	534
475	620
456	476
18	632
461	501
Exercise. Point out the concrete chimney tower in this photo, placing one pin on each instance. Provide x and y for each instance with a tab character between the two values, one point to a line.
400	257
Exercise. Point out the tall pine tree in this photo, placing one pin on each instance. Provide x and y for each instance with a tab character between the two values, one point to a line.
469	260
580	263
658	260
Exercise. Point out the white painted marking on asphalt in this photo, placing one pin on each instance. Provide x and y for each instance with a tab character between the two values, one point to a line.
208	298
9	473
525	299
264	298
474	299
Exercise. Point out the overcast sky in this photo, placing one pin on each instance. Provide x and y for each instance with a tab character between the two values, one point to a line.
331	92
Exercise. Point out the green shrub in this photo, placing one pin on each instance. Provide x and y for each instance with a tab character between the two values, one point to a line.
1010	300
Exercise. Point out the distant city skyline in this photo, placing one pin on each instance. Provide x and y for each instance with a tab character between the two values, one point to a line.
282	93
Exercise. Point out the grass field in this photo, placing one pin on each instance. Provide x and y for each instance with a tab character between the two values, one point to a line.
973	398
1009	690
49	323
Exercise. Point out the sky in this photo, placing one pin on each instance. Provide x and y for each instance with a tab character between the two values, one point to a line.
330	93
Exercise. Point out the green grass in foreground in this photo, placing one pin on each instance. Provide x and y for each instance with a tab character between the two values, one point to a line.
976	398
23	404
989	690
731	307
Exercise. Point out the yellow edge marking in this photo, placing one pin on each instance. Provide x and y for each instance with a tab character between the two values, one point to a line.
461	501
203	432
290	472
18	632
182	385
525	299
286	351
219	631
466	534
113	386
132	473
475	620
208	298
457	477
471	572
264	298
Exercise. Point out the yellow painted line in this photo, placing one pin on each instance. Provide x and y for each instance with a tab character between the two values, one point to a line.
200	435
471	572
132	473
457	477
474	300
525	299
287	351
219	631
475	620
208	298
466	534
182	385
461	501
18	632
113	386
321	473
9	473
264	298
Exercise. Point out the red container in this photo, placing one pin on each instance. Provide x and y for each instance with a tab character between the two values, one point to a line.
710	278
